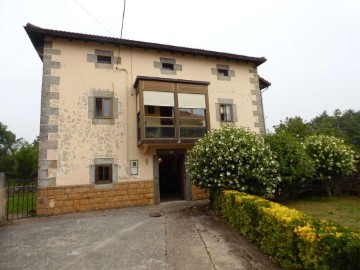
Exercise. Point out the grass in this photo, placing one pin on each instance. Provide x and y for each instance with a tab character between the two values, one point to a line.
21	203
343	210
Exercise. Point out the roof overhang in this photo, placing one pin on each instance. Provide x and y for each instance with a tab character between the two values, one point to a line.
37	36
263	83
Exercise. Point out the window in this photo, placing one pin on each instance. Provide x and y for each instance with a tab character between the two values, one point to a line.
103	107
159	114
226	113
192	111
223	72
150	109
103	59
103	174
167	66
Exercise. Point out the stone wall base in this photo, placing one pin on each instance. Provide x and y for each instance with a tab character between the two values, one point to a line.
199	193
81	198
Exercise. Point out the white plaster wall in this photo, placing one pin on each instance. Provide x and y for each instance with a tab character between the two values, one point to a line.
80	141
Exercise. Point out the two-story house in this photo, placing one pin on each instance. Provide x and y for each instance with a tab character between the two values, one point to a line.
119	116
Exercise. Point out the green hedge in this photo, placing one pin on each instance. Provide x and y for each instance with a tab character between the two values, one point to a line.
291	238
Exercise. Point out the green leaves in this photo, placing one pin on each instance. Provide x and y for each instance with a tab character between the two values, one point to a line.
332	157
233	158
296	168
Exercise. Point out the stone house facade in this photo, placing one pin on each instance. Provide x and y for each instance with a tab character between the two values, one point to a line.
119	116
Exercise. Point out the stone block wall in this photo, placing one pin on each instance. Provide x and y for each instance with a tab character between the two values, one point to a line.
199	193
81	198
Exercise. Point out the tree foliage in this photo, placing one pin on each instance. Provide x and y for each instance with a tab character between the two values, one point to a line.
26	160
233	158
295	126
295	166
7	140
344	125
18	158
332	158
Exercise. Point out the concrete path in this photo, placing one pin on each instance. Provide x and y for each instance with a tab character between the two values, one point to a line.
186	236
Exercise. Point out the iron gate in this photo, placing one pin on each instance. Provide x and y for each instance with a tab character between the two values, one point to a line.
21	198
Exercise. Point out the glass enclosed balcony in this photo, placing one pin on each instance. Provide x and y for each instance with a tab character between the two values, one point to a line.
173	116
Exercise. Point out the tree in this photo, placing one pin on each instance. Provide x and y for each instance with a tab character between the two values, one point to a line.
350	124
7	140
26	160
328	125
233	158
344	125
295	166
332	158
295	126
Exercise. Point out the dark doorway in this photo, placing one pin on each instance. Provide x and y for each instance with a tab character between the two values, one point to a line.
171	177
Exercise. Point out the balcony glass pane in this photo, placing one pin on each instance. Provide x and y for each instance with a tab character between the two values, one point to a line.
159	111
192	132
159	132
193	122
192	112
159	121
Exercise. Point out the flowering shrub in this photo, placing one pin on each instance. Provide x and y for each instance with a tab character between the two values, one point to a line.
332	158
291	238
295	166
233	158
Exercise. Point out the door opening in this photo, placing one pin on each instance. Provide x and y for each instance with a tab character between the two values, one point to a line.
171	177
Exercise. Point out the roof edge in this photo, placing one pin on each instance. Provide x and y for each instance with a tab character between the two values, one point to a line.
263	83
38	34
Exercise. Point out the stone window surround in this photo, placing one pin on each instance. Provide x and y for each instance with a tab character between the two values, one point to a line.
102	93
105	161
220	77
223	101
92	58
159	65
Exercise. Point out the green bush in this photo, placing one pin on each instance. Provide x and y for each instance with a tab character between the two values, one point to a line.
295	166
233	158
291	238
333	159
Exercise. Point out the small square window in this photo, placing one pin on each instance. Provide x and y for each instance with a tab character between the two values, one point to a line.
226	113
103	59
167	66
103	174
103	107
223	72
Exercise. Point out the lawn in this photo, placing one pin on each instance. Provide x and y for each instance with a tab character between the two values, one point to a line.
343	210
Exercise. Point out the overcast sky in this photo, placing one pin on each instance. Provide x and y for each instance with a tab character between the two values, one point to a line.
312	47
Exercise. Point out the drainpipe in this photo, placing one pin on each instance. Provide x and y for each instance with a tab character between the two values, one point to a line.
262	106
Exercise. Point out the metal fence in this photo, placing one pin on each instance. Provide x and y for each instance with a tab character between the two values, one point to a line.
21	198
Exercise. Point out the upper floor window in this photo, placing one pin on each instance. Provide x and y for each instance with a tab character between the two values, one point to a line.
103	107
103	59
226	113
223	72
168	66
